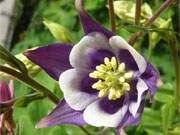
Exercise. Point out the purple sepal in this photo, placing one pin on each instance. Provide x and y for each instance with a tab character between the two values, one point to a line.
54	59
62	114
151	78
90	25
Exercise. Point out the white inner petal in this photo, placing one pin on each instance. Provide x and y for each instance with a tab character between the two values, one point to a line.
94	115
79	54
141	88
69	82
120	43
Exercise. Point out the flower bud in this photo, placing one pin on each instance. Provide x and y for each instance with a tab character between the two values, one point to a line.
125	10
58	31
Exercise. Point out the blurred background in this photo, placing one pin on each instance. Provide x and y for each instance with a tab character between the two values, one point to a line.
22	27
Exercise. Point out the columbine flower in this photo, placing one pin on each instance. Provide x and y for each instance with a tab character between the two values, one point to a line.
104	80
6	95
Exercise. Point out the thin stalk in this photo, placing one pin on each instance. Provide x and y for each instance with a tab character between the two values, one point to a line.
164	6
135	37
174	51
84	130
28	80
112	15
138	12
149	22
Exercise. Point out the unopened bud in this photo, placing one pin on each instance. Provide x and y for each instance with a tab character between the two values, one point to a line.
58	31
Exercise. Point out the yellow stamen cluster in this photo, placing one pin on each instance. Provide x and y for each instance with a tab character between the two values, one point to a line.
113	79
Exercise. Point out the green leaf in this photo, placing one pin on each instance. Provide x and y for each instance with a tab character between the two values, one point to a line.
167	114
151	121
163	97
153	132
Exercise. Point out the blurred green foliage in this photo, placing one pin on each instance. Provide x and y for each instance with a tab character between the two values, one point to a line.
157	118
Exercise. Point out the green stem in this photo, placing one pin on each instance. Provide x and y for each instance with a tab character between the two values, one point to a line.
174	51
28	80
25	100
112	15
84	130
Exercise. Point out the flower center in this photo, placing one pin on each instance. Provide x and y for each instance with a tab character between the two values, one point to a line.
113	79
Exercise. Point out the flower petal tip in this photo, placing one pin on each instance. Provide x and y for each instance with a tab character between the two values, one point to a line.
88	23
26	53
43	123
57	60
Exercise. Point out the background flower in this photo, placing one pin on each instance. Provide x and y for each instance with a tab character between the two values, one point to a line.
6	95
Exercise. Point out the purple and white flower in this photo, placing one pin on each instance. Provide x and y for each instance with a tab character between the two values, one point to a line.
104	80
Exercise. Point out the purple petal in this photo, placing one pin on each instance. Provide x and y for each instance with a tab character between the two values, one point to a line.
151	78
86	85
133	92
141	92
129	119
11	88
90	25
90	51
111	106
96	116
54	59
122	49
1	123
97	57
62	114
126	57
5	92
